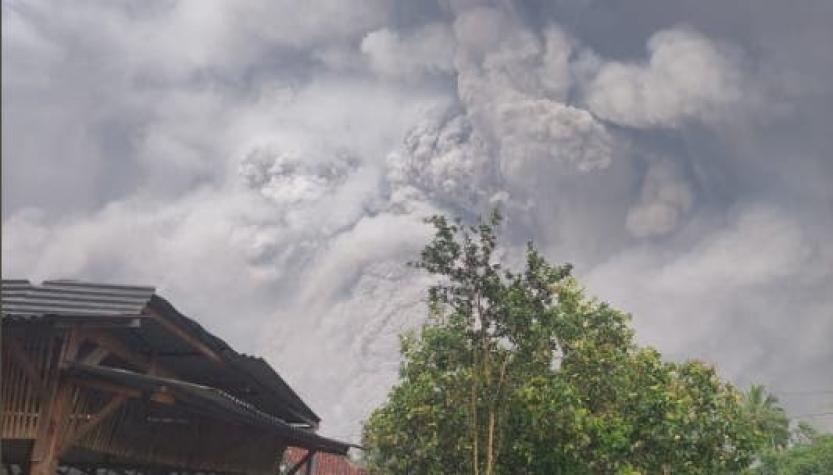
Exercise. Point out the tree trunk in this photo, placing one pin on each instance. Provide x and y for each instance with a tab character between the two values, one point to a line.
490	458
474	432
487	377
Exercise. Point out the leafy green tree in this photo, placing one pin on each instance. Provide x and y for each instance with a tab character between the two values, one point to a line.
812	454
769	419
520	372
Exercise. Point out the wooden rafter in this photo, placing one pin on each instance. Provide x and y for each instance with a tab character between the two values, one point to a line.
95	356
116	347
101	321
106	387
186	337
162	396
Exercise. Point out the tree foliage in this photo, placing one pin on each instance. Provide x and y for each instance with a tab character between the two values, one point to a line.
811	454
768	418
520	372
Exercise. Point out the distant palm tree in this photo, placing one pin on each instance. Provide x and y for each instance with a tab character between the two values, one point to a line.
769	418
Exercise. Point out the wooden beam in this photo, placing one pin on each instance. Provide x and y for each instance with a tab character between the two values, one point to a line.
71	345
112	405
100	321
305	459
95	356
44	458
162	396
106	387
188	338
116	347
310	463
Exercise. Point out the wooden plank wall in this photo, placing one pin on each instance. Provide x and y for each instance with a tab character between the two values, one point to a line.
29	361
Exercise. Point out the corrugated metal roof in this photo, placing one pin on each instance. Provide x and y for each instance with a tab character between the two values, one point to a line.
21	298
277	396
212	400
264	373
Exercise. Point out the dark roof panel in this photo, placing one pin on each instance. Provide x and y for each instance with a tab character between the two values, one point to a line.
263	372
210	400
275	394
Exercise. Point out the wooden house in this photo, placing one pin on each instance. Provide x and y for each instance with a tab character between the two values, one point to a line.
113	379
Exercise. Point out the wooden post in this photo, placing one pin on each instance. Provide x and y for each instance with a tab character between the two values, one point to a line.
310	463
306	459
55	407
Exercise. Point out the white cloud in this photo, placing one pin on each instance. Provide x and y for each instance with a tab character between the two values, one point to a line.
731	297
759	250
361	331
443	158
514	94
759	247
687	76
538	133
664	200
429	49
286	178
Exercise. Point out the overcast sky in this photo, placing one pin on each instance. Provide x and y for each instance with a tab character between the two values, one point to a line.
266	165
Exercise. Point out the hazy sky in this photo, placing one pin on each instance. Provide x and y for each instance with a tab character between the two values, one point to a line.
266	165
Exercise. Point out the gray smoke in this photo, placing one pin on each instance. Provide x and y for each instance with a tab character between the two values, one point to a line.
268	166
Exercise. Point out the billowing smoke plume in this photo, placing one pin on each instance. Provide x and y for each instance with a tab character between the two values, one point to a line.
268	167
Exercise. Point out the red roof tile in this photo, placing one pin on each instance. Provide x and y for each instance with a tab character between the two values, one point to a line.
323	463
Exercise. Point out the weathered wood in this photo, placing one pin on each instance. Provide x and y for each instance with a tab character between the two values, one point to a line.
101	321
44	458
54	412
115	424
186	337
162	397
95	356
106	387
16	390
19	355
114	404
116	347
70	346
180	438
